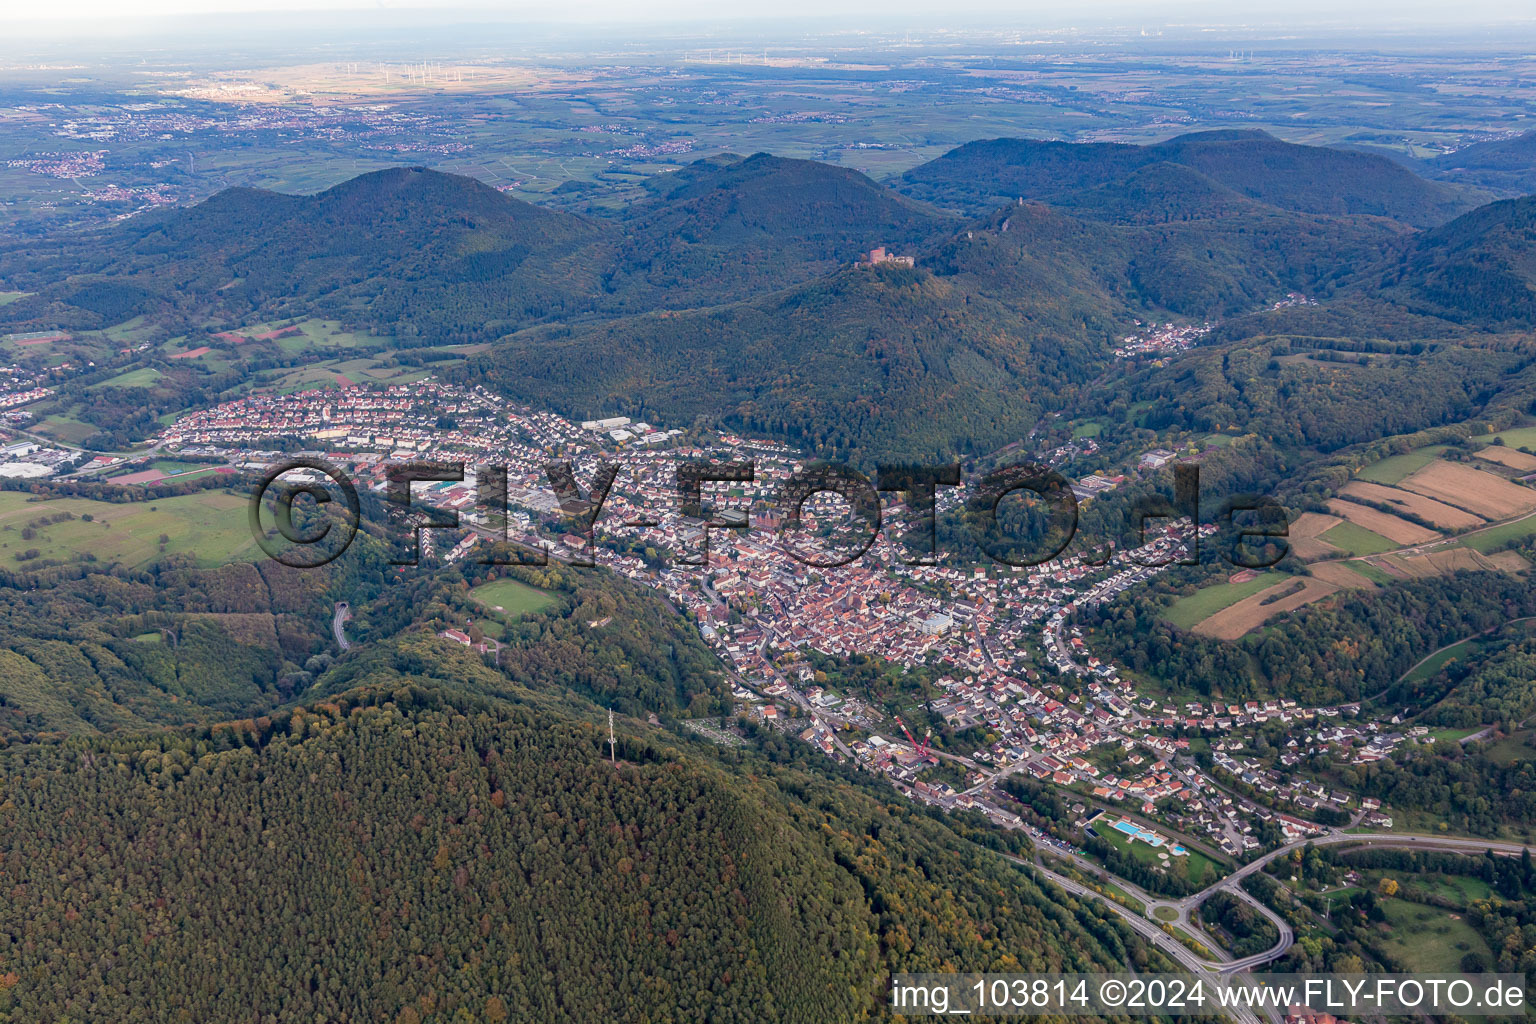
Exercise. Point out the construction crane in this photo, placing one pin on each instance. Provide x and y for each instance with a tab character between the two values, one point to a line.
922	748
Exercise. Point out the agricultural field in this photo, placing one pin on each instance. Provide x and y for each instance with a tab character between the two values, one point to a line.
1398	532
1305	533
1509	458
1207	601
127	332
1253	611
64	429
1371	572
1463	887
1354	539
1346	575
1481	493
345	373
312	335
6	298
1519	746
1443	516
512	599
1497	536
1395	468
210	526
1431	665
1435	563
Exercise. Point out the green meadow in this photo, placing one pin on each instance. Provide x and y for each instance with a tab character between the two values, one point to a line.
1207	601
1356	540
1396	468
210	526
143	377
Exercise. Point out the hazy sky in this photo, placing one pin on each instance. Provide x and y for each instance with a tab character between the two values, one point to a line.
1466	13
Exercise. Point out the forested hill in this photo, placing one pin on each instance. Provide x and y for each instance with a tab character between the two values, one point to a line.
725	228
408	853
1478	269
732	292
421	251
995	325
1507	166
431	258
1158	193
867	362
1302	179
93	648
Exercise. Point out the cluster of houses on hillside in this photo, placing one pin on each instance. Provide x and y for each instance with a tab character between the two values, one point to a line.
1010	669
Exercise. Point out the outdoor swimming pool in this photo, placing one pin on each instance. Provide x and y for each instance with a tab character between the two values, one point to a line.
1147	836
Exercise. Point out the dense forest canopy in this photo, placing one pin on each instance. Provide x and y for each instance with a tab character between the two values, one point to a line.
410	850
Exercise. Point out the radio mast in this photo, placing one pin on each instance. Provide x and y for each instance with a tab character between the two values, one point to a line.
612	742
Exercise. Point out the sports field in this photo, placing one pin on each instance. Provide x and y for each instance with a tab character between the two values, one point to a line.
511	598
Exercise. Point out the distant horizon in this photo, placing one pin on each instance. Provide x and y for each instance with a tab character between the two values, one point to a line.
106	16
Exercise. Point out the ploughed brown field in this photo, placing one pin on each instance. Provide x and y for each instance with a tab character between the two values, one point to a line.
1304	536
1395	529
1251	612
1509	457
1342	576
1479	492
1446	517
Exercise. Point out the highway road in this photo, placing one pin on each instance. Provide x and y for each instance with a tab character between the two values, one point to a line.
1217	971
343	613
1149	930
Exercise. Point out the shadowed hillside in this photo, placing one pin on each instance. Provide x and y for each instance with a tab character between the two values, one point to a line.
1505	166
725	228
1478	269
994	327
428	252
1303	179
